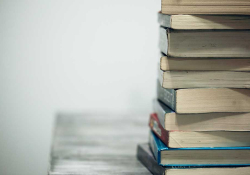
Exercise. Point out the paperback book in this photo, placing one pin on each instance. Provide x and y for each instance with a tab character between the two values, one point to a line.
198	157
198	139
146	157
204	100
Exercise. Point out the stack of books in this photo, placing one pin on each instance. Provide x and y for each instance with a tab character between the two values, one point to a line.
201	119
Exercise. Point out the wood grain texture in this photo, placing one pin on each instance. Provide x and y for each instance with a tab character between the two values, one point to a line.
97	144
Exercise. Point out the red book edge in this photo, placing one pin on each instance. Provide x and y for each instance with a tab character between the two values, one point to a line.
157	128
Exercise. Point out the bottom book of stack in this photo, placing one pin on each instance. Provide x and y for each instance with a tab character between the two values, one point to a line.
160	160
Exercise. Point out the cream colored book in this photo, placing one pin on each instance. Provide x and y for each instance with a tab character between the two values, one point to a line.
198	156
205	100
205	43
204	64
219	121
221	10
204	79
205	7
189	22
198	139
208	139
207	2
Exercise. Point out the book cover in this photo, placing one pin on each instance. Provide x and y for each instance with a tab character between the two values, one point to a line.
157	128
157	147
145	156
167	96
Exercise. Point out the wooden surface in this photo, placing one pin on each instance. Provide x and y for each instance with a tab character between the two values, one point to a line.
98	144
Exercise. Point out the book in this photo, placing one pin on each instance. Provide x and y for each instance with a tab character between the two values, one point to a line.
205	100
204	79
205	7
198	139
220	121
207	2
204	64
189	22
205	43
199	157
145	156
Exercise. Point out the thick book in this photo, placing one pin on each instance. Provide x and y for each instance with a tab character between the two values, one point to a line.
219	121
146	157
204	79
205	100
198	139
190	22
204	64
205	43
200	157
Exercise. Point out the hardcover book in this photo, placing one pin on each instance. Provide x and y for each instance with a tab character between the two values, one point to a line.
219	121
189	22
205	100
146	157
205	43
198	139
198	157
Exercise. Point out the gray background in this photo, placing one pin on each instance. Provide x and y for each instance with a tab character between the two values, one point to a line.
70	56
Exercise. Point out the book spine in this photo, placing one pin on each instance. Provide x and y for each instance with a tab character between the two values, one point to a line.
157	128
167	96
147	159
163	44
164	20
154	148
160	112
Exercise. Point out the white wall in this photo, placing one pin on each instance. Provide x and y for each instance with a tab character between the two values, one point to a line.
70	56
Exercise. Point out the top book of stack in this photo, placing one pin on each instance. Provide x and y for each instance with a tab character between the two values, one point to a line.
234	7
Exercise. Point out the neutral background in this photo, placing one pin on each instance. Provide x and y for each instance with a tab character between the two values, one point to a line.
70	56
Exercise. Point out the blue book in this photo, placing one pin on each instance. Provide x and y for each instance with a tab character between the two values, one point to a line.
198	157
146	157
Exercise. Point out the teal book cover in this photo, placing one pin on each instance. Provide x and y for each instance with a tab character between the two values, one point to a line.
157	147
